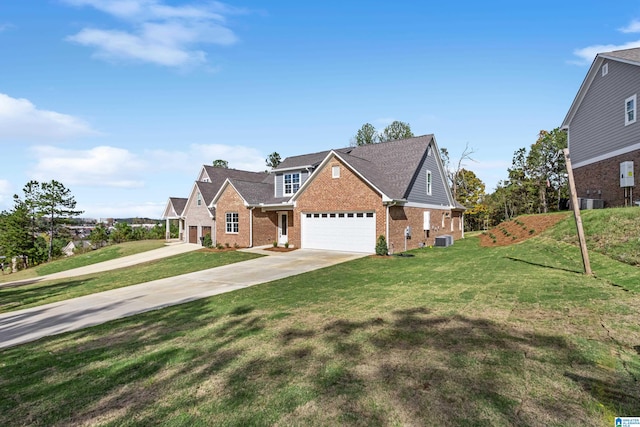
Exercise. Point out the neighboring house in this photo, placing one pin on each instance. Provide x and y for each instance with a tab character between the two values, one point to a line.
603	129
343	199
174	210
196	219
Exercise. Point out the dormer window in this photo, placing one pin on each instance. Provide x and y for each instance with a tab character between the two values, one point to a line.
291	183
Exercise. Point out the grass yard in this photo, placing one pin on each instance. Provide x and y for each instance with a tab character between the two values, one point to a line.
80	260
465	335
45	292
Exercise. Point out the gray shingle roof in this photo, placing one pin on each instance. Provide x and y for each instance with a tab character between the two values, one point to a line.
253	193
313	159
391	166
219	175
626	54
208	190
178	204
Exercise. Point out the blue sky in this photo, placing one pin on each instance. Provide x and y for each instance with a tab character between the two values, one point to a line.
124	100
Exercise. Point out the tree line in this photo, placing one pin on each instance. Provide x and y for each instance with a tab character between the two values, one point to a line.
36	229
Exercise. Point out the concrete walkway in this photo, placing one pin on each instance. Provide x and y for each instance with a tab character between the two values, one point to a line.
22	326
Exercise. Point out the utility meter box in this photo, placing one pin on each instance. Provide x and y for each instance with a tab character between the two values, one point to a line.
626	174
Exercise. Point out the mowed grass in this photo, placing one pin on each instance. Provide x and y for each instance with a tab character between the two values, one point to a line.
453	336
615	232
48	291
80	260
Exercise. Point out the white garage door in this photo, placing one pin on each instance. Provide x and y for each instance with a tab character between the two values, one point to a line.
339	231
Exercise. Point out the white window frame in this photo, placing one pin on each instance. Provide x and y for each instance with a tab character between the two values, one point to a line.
335	171
199	199
605	69
633	101
232	224
293	185
429	183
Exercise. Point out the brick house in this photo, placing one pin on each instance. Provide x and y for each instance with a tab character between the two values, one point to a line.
195	217
343	199
603	130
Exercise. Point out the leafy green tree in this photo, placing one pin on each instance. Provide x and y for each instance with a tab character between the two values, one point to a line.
121	233
547	168
219	163
471	193
99	236
273	160
55	203
366	135
15	237
396	130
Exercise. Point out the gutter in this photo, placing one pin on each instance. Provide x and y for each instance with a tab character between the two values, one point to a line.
251	226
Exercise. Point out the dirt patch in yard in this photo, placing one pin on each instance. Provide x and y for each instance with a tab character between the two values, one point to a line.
280	249
520	229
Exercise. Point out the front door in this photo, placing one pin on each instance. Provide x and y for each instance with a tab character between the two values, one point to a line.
283	228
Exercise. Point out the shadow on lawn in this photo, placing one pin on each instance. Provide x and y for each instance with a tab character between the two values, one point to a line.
20	296
400	367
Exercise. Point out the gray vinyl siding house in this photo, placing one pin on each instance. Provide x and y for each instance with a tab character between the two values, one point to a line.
439	189
600	135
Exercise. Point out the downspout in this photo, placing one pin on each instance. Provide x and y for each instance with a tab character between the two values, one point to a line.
251	226
387	223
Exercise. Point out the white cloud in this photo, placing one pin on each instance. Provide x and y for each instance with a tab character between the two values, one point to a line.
633	27
157	33
97	167
19	119
588	54
191	159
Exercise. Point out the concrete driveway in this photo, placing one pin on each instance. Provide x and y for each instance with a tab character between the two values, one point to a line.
22	326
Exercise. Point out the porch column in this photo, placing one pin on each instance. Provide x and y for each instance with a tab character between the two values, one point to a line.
167	230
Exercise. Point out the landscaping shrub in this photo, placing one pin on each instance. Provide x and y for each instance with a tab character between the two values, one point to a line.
381	246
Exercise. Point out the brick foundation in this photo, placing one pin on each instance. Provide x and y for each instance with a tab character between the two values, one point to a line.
602	179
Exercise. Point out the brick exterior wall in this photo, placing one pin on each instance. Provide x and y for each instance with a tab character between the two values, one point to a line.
230	201
442	221
327	194
604	176
265	227
197	216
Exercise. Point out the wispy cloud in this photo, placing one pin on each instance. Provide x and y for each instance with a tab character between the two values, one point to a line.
20	119
190	159
156	33
586	55
102	166
633	27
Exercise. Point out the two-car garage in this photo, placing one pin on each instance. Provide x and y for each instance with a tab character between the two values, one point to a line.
339	231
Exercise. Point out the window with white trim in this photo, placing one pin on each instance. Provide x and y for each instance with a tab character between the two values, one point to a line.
630	107
605	69
429	182
232	222
291	183
199	199
335	171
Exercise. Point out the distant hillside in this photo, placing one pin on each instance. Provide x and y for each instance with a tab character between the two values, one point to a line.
613	232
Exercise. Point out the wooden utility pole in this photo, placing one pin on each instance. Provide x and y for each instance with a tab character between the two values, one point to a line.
576	214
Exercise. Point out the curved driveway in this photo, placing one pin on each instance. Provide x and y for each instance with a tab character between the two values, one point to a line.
22	326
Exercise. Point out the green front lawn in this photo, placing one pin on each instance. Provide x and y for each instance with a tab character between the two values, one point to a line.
45	292
80	260
454	336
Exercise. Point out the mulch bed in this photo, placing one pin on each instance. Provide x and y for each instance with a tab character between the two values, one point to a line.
280	249
520	229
